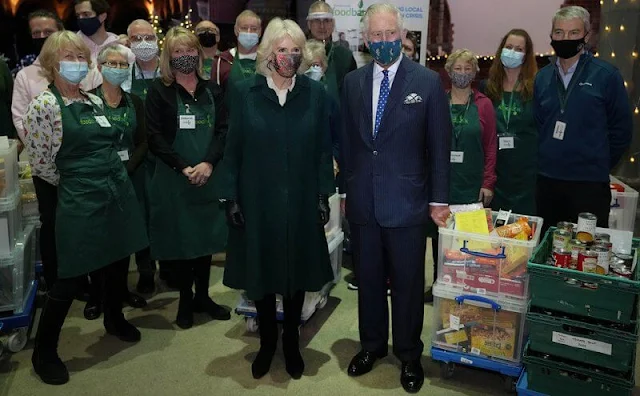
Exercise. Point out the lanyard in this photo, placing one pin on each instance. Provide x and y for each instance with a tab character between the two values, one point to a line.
506	113
138	71
563	94
457	130
125	116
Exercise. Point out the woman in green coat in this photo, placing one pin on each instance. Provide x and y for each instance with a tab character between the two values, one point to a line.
275	176
72	144
186	127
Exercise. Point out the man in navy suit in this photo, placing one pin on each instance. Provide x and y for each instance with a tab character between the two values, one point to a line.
395	145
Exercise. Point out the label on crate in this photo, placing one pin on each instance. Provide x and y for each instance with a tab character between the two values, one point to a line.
466	361
457	337
475	351
454	322
581	343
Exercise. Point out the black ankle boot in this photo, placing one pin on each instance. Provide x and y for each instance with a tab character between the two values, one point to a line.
114	321
291	335
268	328
45	359
202	302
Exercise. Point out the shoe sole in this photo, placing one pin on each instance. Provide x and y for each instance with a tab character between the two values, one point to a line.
52	381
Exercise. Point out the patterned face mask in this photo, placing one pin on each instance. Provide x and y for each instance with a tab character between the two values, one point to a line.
145	50
287	65
461	80
185	64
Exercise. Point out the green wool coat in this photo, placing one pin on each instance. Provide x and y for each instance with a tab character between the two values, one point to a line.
277	161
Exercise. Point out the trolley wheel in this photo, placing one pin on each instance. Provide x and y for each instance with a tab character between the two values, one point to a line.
509	383
323	302
17	341
252	325
447	370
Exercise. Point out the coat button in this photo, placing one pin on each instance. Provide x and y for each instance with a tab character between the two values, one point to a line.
375	152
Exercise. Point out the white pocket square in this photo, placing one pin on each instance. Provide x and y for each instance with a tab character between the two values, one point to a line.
412	99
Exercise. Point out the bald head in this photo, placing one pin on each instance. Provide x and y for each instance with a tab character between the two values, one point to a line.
140	27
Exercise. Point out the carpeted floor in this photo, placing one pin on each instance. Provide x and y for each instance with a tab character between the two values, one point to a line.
213	358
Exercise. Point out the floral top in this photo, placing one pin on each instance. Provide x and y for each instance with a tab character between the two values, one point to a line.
43	132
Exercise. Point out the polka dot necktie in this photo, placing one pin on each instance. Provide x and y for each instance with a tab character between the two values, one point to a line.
382	101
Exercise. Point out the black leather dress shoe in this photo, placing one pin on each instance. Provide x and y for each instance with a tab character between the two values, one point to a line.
362	363
412	376
92	310
135	301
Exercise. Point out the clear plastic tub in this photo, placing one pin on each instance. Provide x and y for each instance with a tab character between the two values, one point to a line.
8	169
10	223
28	198
333	226
17	273
486	264
623	207
478	325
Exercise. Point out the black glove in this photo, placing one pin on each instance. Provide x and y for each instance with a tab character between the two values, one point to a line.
323	209
235	218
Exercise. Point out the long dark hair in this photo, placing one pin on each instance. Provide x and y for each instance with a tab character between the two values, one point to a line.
527	72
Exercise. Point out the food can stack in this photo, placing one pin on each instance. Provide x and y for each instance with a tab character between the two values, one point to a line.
28	198
582	315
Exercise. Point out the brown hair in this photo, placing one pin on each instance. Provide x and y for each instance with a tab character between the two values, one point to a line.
527	72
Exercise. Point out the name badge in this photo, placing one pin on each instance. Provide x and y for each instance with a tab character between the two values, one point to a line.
558	131
124	155
506	143
457	157
102	121
187	122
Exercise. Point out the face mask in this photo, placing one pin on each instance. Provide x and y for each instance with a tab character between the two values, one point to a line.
114	75
566	49
185	64
207	39
248	40
511	59
287	65
461	80
89	26
314	73
73	72
145	50
38	43
386	52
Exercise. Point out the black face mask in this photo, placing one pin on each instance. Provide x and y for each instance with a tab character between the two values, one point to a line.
38	43
89	26
566	49
207	39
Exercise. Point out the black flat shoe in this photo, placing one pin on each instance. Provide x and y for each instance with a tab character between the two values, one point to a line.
136	301
262	363
124	330
412	376
184	319
146	284
362	363
92	310
50	369
207	305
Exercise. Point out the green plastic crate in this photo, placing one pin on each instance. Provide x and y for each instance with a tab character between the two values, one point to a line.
553	376
612	299
590	343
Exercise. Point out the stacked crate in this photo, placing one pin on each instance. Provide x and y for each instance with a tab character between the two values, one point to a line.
28	198
583	328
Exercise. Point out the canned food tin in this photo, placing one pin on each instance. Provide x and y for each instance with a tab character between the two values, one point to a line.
601	236
627	260
588	261
586	226
605	244
602	267
561	238
576	247
562	258
565	225
622	272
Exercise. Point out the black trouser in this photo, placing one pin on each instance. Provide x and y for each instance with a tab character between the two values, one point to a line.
145	265
560	200
405	249
188	272
47	202
434	254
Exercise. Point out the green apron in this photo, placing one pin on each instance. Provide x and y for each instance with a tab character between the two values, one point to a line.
186	221
139	86
98	220
241	70
330	78
516	166
207	65
466	137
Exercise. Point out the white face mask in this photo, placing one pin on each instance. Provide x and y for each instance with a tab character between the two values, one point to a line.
315	73
145	50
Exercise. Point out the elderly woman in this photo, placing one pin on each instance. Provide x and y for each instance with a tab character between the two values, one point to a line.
473	140
71	143
186	125
275	177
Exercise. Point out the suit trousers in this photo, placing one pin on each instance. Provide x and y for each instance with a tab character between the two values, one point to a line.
405	250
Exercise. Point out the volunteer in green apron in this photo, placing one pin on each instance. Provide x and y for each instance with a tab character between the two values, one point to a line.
209	36
98	220
473	142
186	126
510	87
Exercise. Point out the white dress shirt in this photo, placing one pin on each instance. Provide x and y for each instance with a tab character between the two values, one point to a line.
281	93
378	75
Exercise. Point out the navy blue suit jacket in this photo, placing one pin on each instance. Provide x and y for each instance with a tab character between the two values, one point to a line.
392	179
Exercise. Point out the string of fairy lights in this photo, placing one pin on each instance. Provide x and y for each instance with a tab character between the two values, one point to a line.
155	23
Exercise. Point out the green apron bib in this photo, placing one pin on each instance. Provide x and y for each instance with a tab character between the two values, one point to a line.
516	167
139	86
98	220
241	70
186	221
207	65
330	78
466	137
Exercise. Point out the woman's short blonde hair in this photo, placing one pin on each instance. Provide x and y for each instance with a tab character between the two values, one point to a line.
464	55
50	54
313	50
178	36
276	31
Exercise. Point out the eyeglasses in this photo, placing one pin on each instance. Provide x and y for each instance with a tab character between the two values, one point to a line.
145	37
116	65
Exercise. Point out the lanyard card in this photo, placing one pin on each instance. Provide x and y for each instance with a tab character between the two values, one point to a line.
102	121
457	157
506	143
124	155
188	121
558	131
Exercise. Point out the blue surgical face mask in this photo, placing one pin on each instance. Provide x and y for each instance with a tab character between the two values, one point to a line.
114	75
314	73
73	72
511	59
386	52
248	40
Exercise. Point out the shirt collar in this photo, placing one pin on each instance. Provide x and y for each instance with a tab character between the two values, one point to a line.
573	67
393	69
273	86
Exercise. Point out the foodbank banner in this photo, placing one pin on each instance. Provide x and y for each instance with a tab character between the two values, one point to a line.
348	18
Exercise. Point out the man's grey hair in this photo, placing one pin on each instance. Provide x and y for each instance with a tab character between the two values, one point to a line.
380	8
572	12
138	22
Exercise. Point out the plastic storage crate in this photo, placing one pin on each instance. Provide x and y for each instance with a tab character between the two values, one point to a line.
8	170
333	226
623	207
485	264
580	293
522	387
478	325
17	273
597	343
555	376
10	223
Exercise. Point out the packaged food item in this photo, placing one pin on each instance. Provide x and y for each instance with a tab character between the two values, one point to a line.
602	237
604	259
576	248
489	218
586	230
565	225
513	229
588	261
561	238
562	258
